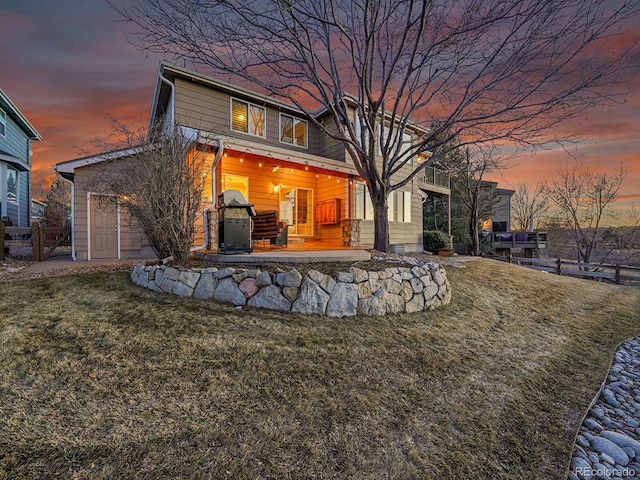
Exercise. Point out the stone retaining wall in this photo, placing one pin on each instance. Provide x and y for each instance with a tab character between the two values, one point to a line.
422	286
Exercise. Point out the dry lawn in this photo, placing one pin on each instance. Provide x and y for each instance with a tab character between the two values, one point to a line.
102	379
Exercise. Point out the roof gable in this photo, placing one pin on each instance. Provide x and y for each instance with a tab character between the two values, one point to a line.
10	108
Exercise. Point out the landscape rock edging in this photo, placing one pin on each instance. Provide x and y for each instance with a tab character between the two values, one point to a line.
396	289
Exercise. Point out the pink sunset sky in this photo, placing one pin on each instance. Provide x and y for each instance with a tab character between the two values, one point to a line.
69	69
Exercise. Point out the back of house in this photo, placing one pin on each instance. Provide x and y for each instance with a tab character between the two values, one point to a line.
270	151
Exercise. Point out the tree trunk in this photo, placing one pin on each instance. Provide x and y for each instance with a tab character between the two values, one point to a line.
473	229
381	222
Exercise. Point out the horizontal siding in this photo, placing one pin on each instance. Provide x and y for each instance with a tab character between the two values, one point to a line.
24	198
330	148
132	239
210	110
329	189
409	233
16	141
261	182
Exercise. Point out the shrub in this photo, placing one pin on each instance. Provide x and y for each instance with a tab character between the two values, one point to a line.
436	240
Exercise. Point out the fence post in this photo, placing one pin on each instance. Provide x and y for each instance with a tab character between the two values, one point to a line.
37	241
559	266
1	241
617	279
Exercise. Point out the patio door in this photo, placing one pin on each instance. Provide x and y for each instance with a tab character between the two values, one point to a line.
296	208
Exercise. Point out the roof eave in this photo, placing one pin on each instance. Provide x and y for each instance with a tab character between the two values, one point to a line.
31	132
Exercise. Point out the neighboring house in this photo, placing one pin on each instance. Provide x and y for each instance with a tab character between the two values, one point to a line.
497	226
498	201
37	210
16	134
269	151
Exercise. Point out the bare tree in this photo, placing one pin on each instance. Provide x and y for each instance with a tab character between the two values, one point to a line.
481	70
468	171
583	199
57	212
160	184
528	206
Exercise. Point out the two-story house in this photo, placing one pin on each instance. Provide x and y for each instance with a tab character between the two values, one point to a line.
16	134
268	150
498	206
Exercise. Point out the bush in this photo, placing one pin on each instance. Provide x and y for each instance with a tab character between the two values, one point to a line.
436	240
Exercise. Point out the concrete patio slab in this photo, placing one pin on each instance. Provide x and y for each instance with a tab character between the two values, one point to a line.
315	256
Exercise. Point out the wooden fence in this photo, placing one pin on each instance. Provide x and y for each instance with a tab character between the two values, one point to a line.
620	274
42	240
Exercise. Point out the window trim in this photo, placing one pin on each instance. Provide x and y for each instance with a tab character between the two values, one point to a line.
293	138
367	202
17	177
3	122
248	106
243	177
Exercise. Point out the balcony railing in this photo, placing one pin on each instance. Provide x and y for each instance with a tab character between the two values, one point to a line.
519	239
433	176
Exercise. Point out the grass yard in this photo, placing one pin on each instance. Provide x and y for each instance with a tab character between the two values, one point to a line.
102	379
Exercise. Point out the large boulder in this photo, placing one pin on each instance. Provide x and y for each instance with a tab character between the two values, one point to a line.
343	301
270	297
205	287
312	299
228	292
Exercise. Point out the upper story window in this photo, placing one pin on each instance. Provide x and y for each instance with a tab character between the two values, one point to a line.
3	123
247	118
293	130
12	185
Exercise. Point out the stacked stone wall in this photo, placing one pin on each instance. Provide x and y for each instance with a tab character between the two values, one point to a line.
396	289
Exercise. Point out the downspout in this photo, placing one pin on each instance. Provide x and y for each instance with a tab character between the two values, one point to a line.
205	218
73	216
172	101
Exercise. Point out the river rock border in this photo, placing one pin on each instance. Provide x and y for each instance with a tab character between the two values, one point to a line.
608	441
419	287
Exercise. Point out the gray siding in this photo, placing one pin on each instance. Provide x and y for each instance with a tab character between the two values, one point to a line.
330	148
210	110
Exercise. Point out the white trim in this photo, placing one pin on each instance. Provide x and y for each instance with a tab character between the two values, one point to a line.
70	165
17	200
3	121
3	189
278	153
407	207
22	121
89	223
249	105
293	138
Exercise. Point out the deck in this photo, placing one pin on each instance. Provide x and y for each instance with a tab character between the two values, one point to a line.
309	251
525	240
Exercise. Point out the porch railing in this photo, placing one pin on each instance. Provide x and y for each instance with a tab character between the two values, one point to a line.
519	239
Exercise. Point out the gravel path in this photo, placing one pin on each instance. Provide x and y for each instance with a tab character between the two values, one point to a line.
607	445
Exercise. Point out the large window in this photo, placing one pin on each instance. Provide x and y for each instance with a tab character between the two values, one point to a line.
247	118
403	206
236	182
398	205
364	206
293	130
3	123
12	185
